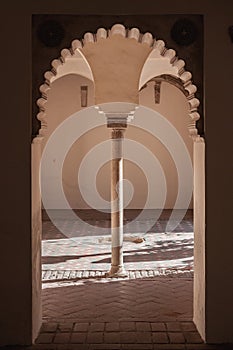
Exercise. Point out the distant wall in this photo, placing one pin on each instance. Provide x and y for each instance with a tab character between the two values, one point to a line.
64	99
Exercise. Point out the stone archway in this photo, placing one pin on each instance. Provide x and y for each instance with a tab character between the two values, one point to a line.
155	61
136	55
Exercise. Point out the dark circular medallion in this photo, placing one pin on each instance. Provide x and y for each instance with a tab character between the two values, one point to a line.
184	32
50	33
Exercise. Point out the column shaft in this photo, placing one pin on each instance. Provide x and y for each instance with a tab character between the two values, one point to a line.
117	267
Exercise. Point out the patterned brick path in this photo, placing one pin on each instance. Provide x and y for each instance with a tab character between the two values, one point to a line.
159	282
103	299
128	335
149	309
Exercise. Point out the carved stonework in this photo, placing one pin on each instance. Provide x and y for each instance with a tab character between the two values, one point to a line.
117	133
118	114
155	49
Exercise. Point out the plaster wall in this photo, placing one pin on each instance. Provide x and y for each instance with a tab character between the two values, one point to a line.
64	99
199	297
36	236
113	59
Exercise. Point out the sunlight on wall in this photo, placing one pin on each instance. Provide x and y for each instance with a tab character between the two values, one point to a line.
64	99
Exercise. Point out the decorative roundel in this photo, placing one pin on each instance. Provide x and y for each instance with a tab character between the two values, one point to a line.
184	32
51	33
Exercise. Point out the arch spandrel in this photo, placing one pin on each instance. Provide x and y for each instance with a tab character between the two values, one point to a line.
116	63
119	62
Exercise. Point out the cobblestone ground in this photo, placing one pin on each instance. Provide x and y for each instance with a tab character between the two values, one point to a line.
149	309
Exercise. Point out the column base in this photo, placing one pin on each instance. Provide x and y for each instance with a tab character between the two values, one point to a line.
117	271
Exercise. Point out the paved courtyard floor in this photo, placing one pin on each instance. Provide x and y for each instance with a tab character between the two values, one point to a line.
76	258
149	309
85	245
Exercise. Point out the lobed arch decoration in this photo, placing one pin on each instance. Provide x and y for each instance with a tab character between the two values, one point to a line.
71	61
161	64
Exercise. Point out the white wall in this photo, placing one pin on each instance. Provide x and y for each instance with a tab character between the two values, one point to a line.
64	100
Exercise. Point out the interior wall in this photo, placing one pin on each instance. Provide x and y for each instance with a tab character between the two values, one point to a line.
114	58
174	107
219	169
16	293
36	235
64	99
199	296
15	237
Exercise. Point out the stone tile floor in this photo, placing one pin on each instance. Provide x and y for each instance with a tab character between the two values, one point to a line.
85	245
149	309
121	335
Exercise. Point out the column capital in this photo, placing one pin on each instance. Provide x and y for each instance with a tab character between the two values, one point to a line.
117	133
118	114
118	120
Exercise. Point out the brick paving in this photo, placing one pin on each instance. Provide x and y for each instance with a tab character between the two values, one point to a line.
129	335
103	299
158	286
149	309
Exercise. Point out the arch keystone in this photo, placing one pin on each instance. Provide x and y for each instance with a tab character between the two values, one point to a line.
118	29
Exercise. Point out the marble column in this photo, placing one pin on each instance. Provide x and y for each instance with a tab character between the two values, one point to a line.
118	115
117	264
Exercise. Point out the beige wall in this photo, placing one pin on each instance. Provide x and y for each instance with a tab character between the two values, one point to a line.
36	234
199	297
127	57
64	100
174	107
16	293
